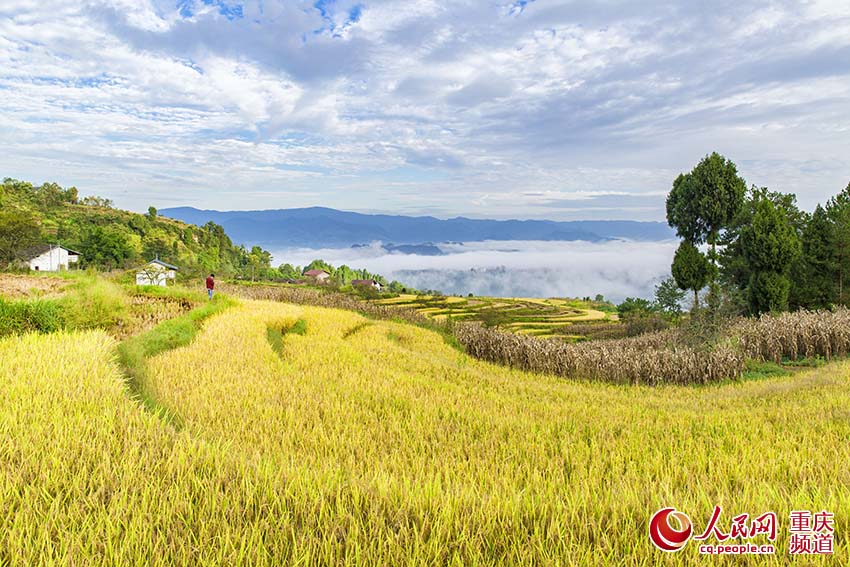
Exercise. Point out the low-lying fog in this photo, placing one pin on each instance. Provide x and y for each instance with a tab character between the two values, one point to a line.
616	269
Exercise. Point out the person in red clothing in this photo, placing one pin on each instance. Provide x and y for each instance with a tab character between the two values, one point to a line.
210	285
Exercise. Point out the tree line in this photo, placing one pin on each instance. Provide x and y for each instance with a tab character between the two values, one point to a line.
108	238
753	250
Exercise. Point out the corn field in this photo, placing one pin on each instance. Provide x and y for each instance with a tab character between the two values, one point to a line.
804	334
649	359
366	442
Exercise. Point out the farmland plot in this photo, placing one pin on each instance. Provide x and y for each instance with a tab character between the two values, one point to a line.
375	443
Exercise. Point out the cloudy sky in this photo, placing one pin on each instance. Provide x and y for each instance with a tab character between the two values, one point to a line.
535	109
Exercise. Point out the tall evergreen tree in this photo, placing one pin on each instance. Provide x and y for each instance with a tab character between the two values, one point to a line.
838	211
736	269
813	284
770	245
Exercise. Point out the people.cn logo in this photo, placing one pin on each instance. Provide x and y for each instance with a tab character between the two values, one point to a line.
664	536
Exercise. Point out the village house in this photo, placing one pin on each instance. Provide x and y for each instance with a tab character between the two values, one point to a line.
319	276
366	283
50	257
156	272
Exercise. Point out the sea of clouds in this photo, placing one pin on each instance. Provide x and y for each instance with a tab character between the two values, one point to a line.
616	269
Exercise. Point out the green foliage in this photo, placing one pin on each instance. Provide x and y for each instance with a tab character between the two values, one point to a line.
669	297
770	245
813	278
110	238
18	230
768	292
757	370
633	307
690	269
701	204
705	200
40	315
838	211
105	247
94	303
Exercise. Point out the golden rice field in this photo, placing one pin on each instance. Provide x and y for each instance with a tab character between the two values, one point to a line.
366	442
553	317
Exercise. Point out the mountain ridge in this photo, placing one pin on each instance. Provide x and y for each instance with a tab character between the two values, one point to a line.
321	227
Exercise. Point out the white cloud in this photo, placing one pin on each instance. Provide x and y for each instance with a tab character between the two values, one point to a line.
616	269
476	108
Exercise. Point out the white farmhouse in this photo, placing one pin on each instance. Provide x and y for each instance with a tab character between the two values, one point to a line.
50	258
156	272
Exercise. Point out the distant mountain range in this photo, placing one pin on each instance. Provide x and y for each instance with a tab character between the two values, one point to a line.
319	227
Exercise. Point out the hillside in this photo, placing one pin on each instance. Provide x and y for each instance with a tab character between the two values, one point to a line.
317	436
318	227
110	238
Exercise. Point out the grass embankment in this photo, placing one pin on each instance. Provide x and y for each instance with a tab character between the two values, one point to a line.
134	352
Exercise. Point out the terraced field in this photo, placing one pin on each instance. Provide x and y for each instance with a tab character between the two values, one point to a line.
362	442
552	317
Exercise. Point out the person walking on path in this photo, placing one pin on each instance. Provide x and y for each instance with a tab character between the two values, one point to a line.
210	285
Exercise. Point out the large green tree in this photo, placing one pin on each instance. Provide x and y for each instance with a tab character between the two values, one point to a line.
770	245
704	202
108	247
736	269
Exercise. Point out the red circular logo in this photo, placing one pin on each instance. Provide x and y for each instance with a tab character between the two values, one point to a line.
663	535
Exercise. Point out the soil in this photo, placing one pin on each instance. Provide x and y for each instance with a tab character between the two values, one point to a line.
21	287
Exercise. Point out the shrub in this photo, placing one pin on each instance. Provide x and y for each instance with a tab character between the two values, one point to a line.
94	303
41	315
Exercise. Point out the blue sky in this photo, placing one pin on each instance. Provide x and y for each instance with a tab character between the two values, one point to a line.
533	109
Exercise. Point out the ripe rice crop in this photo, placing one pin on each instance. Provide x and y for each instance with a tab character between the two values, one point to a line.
666	357
366	442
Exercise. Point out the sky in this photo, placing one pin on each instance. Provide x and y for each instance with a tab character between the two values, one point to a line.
496	109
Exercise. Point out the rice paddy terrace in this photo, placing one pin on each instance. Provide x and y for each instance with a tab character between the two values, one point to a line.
570	319
362	442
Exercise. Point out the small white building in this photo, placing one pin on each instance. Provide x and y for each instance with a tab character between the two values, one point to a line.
50	258
156	272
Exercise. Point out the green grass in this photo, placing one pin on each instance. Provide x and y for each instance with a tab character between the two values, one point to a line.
93	303
39	315
275	335
756	370
134	352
